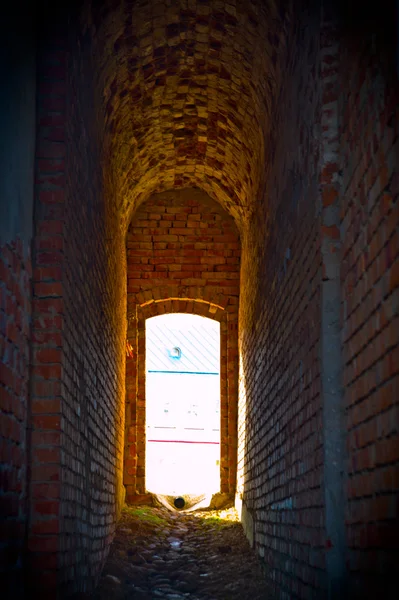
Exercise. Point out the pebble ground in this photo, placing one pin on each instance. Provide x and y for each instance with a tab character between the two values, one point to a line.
159	554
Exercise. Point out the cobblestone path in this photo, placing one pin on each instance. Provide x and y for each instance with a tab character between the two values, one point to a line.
159	554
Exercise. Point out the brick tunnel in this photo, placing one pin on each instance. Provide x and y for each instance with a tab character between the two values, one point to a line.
235	160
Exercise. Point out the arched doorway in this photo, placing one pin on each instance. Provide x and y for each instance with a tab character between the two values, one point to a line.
182	404
183	256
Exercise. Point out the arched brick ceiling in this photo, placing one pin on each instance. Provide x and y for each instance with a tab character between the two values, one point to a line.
187	88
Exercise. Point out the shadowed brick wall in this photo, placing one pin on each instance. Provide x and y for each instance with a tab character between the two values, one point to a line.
78	353
183	255
281	420
369	110
47	316
318	420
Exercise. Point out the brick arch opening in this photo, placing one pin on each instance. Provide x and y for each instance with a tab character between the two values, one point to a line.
183	256
134	464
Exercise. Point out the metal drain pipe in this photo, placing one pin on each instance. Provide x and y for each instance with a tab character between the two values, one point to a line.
179	502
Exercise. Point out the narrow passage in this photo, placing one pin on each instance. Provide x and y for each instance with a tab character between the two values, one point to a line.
202	555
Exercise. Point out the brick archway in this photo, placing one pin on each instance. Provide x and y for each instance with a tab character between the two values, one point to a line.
183	255
134	464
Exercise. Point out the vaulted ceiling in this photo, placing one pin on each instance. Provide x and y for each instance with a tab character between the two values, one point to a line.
187	89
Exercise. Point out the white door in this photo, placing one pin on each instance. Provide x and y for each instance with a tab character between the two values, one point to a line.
182	404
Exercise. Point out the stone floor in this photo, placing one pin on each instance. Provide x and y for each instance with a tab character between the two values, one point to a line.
159	554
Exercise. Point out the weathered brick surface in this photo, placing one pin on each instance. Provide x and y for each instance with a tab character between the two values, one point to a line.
183	255
15	311
280	412
187	90
370	267
48	311
94	361
78	338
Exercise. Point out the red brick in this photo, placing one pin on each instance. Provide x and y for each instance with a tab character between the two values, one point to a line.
46	405
46	490
46	455
46	508
50	473
48	371
43	543
48	356
51	196
45	527
51	422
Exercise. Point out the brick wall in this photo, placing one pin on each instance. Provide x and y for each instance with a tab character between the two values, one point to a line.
95	341
78	353
187	91
280	411
336	147
370	266
15	311
47	318
183	255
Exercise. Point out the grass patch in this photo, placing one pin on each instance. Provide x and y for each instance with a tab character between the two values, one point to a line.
219	518
215	521
144	515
